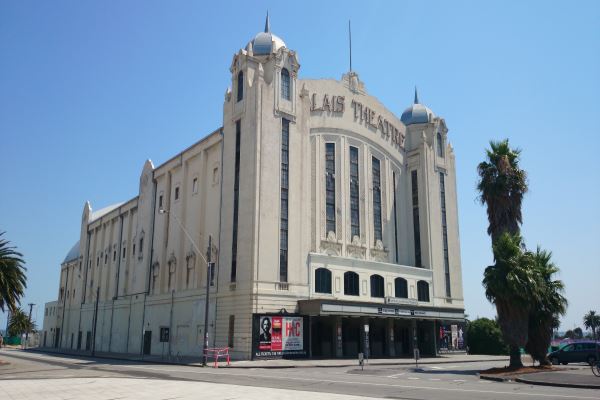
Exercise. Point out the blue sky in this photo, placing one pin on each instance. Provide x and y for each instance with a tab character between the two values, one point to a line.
89	90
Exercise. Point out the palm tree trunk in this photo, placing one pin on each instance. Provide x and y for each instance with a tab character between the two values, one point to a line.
515	357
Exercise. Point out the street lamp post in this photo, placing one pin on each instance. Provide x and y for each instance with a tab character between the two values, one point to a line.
209	265
29	326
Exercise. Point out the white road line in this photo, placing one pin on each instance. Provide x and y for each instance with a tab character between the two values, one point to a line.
459	380
434	379
437	367
395	375
413	378
291	378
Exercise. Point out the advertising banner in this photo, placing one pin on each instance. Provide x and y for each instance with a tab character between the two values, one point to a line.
280	335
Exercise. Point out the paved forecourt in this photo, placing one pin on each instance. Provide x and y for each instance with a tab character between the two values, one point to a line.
117	378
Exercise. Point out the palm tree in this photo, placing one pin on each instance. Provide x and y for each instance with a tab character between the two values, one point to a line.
511	284
502	186
19	323
12	276
592	320
546	308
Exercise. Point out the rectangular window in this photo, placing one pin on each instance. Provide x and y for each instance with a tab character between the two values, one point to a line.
133	250
236	199
445	233
176	192
354	193
160	201
124	251
114	255
231	331
416	227
195	185
377	231
283	229
330	187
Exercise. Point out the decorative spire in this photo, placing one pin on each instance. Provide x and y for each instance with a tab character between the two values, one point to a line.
267	24
416	96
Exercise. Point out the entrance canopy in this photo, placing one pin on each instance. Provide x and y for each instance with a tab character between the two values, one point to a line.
324	307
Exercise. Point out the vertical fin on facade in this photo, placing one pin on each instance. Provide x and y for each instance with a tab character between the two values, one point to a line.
416	96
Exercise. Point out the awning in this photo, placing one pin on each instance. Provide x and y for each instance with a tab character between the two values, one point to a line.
325	307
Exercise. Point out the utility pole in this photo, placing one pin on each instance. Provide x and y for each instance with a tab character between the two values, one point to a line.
208	268
95	321
29	327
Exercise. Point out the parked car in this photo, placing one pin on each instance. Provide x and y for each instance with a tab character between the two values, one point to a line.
585	351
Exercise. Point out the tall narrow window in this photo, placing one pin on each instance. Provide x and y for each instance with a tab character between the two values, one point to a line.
440	145
231	331
377	286
445	233
401	288
236	199
395	218
330	186
351	283
354	193
377	231
285	84
416	227
240	86
322	280
283	229
423	291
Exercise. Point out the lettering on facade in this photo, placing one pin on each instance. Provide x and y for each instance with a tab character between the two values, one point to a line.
332	104
362	114
370	118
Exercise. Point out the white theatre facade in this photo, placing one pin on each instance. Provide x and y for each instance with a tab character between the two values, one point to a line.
333	226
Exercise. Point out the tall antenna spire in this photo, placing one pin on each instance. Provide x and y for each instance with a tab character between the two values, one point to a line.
267	24
350	43
416	96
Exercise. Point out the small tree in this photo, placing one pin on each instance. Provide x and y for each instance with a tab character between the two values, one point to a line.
578	333
484	337
19	323
591	321
546	307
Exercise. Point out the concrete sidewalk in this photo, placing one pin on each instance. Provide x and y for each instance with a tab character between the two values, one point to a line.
582	379
278	363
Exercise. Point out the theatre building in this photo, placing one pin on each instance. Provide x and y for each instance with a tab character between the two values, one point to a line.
332	222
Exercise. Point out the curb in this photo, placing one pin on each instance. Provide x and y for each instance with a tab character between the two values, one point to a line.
495	378
558	384
355	364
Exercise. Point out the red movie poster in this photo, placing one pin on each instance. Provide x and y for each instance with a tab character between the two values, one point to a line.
276	336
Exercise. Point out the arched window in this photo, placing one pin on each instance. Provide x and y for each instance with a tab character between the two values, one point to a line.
440	145
351	284
240	86
423	291
401	288
285	84
322	280
377	286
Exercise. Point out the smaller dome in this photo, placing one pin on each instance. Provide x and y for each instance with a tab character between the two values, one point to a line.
73	254
265	43
417	113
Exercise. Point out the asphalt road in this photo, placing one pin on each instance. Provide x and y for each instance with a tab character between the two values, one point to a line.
455	381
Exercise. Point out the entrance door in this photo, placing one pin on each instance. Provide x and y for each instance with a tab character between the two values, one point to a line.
147	342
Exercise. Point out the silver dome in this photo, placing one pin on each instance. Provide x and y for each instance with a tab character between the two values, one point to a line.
265	43
73	254
417	113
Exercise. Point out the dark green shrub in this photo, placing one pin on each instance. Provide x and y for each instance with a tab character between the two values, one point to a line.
484	337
